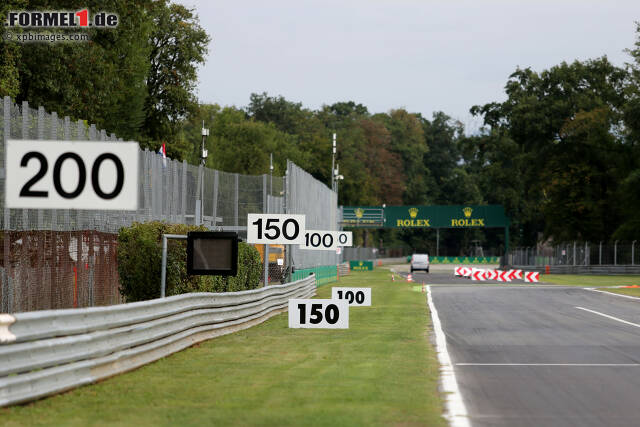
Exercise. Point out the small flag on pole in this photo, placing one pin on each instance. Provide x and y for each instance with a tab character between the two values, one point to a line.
163	152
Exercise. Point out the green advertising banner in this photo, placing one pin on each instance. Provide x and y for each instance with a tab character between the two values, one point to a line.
454	216
361	265
464	260
363	216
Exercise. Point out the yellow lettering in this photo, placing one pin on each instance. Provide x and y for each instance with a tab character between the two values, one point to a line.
399	223
426	223
481	222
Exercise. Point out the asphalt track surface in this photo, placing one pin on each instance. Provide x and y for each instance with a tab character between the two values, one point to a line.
529	355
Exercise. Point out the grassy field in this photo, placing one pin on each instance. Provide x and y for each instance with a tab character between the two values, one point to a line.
381	371
590	281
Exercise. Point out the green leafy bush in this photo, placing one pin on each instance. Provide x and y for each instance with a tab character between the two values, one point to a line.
140	262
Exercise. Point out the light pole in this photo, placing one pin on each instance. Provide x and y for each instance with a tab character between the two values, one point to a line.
333	164
203	159
265	256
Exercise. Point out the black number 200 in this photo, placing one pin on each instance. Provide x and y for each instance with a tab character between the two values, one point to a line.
26	190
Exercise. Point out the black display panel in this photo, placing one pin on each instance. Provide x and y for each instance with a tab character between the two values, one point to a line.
212	253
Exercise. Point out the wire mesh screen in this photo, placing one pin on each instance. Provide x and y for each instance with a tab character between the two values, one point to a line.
58	269
38	268
578	254
306	195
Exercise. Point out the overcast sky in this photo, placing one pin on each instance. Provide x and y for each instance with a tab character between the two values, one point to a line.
422	55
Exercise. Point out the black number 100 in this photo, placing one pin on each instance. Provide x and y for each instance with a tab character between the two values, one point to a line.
350	296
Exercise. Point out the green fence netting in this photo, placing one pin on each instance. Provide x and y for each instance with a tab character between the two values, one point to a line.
324	274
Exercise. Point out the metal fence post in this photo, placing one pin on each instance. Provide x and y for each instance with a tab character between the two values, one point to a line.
40	137
7	135
25	135
183	201
163	273
6	272
600	254
615	253
265	209
216	181
574	252
586	256
236	201
633	252
54	135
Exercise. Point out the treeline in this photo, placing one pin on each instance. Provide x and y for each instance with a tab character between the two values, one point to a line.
136	80
561	153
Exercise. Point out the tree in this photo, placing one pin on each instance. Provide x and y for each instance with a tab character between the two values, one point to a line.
102	80
407	140
558	128
178	44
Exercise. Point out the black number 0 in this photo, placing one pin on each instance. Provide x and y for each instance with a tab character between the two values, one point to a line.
82	178
95	176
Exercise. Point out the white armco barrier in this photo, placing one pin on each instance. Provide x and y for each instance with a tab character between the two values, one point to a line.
47	352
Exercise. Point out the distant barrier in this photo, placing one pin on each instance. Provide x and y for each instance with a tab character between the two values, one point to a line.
464	260
584	269
47	352
343	269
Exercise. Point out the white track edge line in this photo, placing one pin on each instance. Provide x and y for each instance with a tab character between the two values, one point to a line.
609	317
456	411
553	364
611	293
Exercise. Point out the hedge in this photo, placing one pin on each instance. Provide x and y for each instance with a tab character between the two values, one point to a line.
140	262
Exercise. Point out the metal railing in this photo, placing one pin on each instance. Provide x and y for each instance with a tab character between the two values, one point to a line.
47	352
578	254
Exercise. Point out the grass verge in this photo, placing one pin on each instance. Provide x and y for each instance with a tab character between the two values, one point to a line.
590	281
381	371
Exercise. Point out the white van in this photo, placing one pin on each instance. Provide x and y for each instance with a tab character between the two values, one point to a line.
420	262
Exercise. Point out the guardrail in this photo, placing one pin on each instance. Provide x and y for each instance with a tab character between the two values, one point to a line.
47	352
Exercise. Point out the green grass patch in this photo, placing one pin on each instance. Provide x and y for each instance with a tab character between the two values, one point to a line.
634	292
590	281
381	371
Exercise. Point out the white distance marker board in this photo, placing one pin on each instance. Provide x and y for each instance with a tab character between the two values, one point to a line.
357	297
324	240
345	238
279	229
71	175
318	314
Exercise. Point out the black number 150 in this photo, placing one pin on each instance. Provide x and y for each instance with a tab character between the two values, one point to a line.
331	313
289	233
